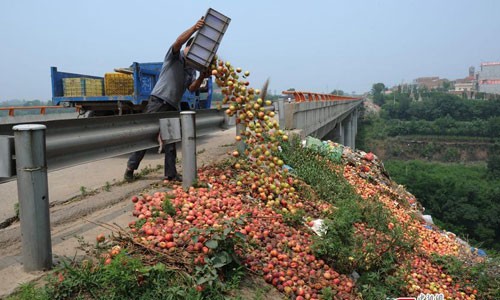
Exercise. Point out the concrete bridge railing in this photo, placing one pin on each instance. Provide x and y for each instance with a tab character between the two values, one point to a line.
335	120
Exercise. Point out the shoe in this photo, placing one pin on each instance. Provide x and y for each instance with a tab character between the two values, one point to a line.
129	175
175	178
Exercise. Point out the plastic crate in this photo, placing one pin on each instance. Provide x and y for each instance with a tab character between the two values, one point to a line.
207	40
81	87
116	84
94	87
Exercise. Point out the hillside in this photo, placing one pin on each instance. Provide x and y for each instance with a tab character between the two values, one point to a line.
204	241
457	143
433	148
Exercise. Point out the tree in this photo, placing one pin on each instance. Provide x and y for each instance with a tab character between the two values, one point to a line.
337	92
404	105
378	88
378	93
493	163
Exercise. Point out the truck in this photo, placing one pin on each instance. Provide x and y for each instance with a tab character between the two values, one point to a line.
145	76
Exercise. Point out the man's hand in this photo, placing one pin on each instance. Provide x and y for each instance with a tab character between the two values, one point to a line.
199	24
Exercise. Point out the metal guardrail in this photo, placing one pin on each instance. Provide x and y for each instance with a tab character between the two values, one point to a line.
301	96
76	141
68	142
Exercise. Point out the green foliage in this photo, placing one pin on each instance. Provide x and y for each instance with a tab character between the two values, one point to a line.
147	170
28	291
168	207
462	199
378	93
493	162
222	259
386	281
83	191
124	278
295	219
378	88
435	105
337	92
127	277
139	223
484	276
451	155
327	293
437	114
444	126
375	258
199	184
328	185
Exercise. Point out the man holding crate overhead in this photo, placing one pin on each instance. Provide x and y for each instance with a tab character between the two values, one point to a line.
175	77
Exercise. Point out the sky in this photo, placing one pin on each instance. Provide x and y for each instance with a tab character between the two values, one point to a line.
314	45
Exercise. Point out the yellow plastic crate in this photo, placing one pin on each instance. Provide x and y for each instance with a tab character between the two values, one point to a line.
116	84
94	87
81	87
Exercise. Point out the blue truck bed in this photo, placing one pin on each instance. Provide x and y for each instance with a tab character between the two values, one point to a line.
144	75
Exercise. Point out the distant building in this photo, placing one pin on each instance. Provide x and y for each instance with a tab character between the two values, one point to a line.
462	85
488	79
431	83
465	87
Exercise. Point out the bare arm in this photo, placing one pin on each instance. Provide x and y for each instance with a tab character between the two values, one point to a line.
176	47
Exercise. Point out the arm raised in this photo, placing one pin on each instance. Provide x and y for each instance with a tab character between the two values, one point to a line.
176	47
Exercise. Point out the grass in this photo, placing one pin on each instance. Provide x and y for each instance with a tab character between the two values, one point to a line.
126	277
83	191
340	245
27	291
484	276
131	275
227	145
107	187
147	170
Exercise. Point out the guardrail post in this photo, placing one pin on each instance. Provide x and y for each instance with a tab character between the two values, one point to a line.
33	193
188	138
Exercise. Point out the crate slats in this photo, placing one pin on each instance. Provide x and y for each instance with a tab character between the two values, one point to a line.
116	84
207	40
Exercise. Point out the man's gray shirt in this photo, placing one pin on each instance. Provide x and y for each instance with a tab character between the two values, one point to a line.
175	78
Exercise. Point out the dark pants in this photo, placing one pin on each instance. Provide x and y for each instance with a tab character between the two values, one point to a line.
157	105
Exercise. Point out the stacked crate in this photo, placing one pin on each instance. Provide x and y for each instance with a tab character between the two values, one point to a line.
82	87
94	87
116	84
